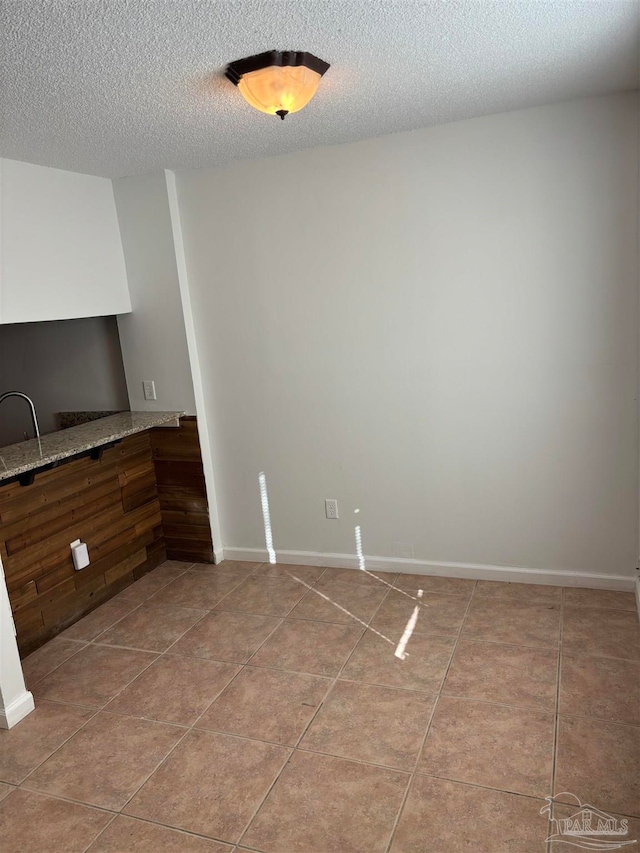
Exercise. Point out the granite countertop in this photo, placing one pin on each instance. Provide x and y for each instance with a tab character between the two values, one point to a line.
43	452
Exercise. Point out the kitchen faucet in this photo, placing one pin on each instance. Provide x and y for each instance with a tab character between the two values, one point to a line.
34	419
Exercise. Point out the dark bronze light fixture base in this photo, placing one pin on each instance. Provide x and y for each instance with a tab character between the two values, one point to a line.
277	82
280	58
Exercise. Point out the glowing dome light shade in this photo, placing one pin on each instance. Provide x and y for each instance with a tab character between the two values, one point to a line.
277	83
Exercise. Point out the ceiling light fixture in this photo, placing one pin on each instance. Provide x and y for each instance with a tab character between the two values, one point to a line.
277	82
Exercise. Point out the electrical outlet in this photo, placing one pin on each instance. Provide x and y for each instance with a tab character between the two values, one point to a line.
149	388
331	508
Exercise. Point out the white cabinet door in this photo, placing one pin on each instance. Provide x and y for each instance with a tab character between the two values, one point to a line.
60	251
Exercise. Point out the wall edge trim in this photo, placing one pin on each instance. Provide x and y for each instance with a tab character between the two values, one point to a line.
204	431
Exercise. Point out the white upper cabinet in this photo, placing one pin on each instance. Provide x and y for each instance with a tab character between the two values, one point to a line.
60	251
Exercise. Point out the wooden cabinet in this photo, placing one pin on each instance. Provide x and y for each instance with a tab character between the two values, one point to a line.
111	504
142	500
61	255
182	492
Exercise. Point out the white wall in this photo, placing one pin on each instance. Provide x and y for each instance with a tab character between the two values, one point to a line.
60	250
153	339
438	328
67	365
15	700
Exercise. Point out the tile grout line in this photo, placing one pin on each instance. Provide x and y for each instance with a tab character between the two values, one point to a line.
162	761
96	640
291	751
329	688
253	574
558	651
65	799
190	728
317	711
556	722
207	612
93	716
115	813
391	587
244	664
150	600
181	571
250	576
177	829
314	715
453	635
246	612
482	787
85	643
134	608
104	630
102	709
342	681
409	787
549	712
44	760
151	663
319	675
240	670
102	831
288	616
97	711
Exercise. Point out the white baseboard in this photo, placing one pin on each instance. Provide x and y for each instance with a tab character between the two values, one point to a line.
16	711
638	596
428	567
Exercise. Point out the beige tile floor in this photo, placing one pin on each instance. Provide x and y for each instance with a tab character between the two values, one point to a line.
273	709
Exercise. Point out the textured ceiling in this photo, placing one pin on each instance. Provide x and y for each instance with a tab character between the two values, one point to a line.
121	87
